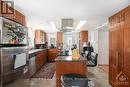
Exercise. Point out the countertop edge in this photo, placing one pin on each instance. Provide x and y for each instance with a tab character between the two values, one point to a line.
64	59
35	50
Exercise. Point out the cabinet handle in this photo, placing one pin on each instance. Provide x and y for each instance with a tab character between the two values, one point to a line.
117	58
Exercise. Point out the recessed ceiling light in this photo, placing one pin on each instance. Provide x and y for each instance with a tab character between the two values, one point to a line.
106	23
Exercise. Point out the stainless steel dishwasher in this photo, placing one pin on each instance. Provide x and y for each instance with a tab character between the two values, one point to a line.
32	66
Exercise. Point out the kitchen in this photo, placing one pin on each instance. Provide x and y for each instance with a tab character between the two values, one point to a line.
38	48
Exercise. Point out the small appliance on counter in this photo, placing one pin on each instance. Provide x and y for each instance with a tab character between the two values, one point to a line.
13	54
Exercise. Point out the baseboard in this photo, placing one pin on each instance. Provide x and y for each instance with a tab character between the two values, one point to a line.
103	65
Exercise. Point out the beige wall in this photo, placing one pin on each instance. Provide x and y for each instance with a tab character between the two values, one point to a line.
99	39
103	47
93	38
52	35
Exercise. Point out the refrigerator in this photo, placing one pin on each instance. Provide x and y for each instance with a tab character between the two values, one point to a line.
13	54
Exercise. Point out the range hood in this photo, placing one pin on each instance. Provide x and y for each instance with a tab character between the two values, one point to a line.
67	25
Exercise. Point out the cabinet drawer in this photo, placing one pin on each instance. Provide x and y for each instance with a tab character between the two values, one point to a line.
40	59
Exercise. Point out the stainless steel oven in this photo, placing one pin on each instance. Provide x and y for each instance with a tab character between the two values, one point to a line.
13	54
14	67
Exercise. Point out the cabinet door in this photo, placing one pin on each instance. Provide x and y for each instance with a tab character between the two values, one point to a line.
39	60
6	10
120	43
115	49
113	67
44	56
23	21
37	63
19	18
59	39
84	36
126	68
37	37
45	37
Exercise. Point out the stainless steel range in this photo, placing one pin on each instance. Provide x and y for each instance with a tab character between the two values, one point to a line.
13	54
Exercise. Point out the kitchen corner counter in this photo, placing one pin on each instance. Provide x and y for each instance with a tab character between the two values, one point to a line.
69	59
36	50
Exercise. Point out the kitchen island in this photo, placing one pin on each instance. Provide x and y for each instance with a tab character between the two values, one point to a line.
66	65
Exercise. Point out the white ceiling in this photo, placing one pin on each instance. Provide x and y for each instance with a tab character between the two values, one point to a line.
40	12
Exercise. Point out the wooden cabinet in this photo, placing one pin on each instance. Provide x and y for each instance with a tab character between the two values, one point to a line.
6	11
41	59
126	63
83	38
19	18
11	13
59	39
52	54
40	37
115	49
119	48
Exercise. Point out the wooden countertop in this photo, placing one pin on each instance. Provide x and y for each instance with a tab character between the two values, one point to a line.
69	59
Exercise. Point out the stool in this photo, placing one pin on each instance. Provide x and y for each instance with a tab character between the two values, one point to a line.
74	80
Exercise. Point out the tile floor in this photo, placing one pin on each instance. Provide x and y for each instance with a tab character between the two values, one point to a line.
96	74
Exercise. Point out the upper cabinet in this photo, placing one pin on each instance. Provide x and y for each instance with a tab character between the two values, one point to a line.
6	11
83	37
12	14
19	18
40	37
59	39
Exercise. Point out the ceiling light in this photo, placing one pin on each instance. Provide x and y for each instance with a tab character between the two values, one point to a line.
53	27
81	23
106	23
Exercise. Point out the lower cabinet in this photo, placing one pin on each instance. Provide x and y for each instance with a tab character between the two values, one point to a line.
41	58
